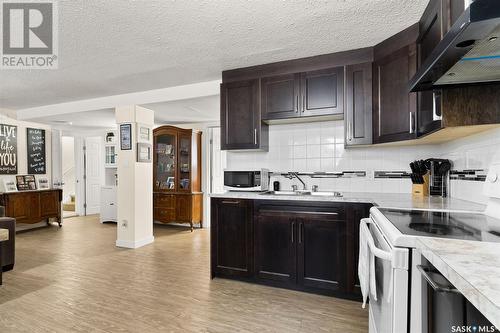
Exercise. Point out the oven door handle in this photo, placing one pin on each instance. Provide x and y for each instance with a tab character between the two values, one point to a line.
434	285
379	253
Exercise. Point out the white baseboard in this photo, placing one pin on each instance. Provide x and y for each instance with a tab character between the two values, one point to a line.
134	244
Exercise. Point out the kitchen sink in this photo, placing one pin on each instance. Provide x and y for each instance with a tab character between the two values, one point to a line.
304	193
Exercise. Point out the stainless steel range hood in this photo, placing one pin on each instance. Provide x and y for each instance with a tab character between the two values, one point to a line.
468	54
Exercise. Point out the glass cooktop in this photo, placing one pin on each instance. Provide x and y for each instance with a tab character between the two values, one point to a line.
466	226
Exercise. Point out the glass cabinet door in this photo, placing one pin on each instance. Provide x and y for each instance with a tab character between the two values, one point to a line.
166	162
184	163
110	155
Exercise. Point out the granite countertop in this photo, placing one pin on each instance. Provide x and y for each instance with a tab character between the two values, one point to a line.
4	235
387	200
472	267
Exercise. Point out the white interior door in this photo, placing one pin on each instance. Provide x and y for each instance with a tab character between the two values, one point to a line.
94	174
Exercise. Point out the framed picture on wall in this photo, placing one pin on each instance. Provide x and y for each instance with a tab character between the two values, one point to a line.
143	133
126	136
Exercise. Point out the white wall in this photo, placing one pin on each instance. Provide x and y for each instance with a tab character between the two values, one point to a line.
68	166
22	155
320	147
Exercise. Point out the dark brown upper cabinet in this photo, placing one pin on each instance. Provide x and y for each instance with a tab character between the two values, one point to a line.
322	92
358	105
280	96
452	9
437	19
313	93
241	122
394	108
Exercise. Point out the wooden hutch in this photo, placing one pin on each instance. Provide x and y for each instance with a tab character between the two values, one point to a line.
177	193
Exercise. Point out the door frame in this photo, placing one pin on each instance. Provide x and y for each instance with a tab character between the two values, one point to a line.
79	176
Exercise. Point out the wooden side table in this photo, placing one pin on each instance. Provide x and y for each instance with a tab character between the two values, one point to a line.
4	236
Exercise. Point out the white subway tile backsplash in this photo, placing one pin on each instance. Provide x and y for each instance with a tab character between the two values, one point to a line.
327	150
300	151
327	164
313	164
313	151
319	146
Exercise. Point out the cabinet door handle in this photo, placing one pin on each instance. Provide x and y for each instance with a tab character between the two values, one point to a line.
293	232
303	103
297	104
111	204
255	136
231	202
411	123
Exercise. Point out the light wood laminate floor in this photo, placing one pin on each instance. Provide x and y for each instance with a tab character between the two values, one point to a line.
76	280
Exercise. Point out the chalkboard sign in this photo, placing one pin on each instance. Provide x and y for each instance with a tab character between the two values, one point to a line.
8	149
36	151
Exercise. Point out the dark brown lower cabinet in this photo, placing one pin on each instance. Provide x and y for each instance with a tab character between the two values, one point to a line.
231	238
321	251
33	206
275	249
308	246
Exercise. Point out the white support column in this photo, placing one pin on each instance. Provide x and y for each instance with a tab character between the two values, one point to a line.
135	182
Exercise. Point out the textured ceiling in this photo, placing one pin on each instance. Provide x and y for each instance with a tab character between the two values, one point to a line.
194	110
110	47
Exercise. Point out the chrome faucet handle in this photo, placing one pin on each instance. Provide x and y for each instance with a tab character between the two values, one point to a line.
315	188
294	188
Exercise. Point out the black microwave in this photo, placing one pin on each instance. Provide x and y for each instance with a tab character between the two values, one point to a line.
257	181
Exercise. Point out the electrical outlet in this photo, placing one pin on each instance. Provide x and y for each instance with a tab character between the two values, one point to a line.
370	174
124	223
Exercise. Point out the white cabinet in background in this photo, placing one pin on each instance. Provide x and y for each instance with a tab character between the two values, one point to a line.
108	204
110	155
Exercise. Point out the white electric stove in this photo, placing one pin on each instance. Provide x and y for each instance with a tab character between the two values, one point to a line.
395	232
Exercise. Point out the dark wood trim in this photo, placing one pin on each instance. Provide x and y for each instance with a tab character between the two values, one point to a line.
300	65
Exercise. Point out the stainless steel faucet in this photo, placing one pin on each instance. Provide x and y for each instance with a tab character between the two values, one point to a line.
296	175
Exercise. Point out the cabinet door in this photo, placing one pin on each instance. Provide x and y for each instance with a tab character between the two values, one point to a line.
19	207
280	96
240	116
394	107
165	162
231	238
275	246
355	212
183	208
49	203
431	27
321	251
358	115
184	162
452	9
322	92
